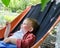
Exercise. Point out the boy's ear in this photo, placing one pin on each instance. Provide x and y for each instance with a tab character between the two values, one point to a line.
31	29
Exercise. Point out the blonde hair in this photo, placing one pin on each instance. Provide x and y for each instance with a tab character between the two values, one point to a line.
34	23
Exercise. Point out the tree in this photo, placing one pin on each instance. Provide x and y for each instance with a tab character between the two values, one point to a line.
43	3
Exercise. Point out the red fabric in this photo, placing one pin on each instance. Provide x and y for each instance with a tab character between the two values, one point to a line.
27	41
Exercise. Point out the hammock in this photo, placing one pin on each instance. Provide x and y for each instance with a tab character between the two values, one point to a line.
46	19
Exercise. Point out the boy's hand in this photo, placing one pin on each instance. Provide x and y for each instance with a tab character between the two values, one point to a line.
10	40
7	23
6	40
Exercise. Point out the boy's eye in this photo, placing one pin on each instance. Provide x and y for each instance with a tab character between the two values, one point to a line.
25	24
28	24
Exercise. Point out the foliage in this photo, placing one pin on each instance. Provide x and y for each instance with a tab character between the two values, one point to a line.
43	4
6	2
16	5
54	31
9	18
3	20
19	5
6	18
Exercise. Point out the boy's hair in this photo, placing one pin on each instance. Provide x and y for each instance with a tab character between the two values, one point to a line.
34	23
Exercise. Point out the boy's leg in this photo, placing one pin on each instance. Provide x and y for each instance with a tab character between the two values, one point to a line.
2	44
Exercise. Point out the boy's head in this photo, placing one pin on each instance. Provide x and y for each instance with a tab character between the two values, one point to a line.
29	24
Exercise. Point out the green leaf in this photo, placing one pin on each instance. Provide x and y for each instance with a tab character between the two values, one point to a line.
6	2
43	4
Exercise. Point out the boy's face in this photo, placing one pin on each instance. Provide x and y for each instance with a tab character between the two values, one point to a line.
27	25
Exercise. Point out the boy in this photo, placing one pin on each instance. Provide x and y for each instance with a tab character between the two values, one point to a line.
24	38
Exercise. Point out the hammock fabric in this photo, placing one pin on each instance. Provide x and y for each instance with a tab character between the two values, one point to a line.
46	19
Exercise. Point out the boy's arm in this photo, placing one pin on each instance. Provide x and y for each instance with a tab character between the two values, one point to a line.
26	43
10	40
7	30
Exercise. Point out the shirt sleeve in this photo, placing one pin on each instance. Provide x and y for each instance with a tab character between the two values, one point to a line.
26	43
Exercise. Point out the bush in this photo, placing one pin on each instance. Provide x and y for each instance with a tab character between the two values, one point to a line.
9	18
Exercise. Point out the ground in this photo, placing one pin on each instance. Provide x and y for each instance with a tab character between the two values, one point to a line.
49	42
